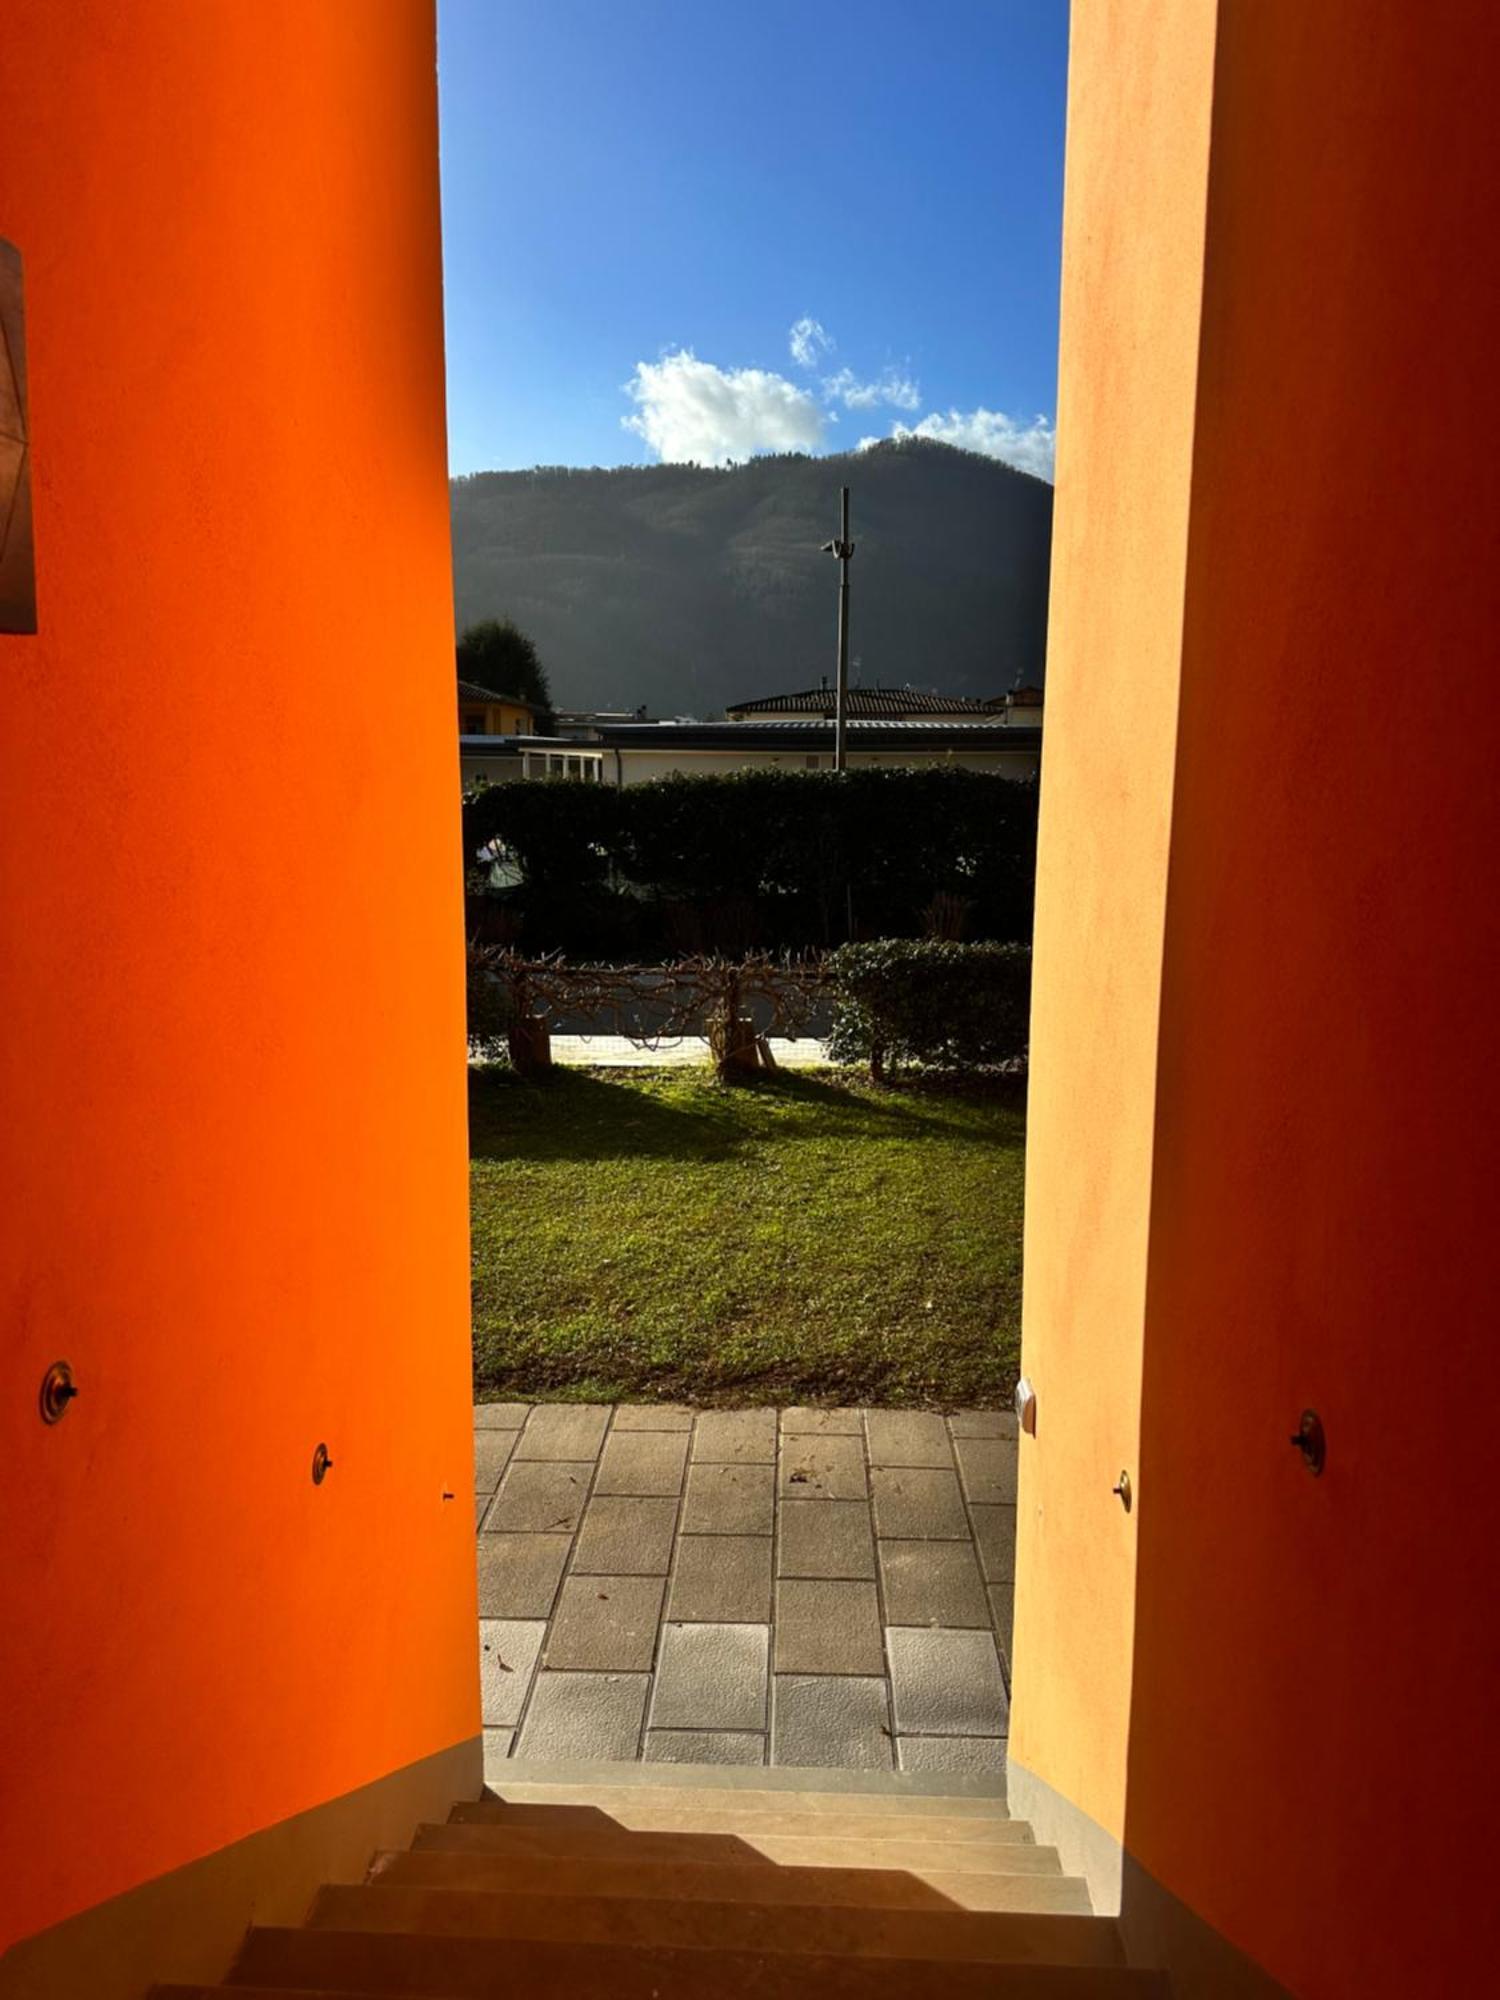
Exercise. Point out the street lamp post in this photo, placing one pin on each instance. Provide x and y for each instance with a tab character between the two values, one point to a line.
843	548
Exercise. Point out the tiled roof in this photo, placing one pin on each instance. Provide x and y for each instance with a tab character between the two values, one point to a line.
869	704
470	691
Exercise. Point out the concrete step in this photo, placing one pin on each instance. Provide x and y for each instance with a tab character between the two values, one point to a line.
518	1772
864	1887
628	1815
459	1968
1004	1938
914	1853
744	1798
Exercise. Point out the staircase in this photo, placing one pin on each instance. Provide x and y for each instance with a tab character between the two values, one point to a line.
648	1882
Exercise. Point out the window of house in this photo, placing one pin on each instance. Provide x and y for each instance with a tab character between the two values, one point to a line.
17	563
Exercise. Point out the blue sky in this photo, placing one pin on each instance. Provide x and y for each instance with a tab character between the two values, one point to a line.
700	230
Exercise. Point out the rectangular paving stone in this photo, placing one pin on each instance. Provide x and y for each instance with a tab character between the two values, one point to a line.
916	1503
643	1463
508	1649
825	1538
519	1574
908	1437
711	1677
500	1416
946	1683
830	1720
625	1537
932	1583
721	1579
987	1467
652	1417
540	1499
827	1628
577	1717
970	1756
564	1430
735	1437
983	1424
995	1538
606	1624
491	1451
704	1746
821	1423
823	1468
1003	1615
729	1500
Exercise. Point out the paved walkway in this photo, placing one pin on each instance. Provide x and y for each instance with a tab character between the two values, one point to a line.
687	1052
809	1587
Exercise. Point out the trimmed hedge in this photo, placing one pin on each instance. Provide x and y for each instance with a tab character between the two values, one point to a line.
759	860
933	1003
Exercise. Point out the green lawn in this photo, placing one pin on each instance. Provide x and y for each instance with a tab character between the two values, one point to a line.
653	1234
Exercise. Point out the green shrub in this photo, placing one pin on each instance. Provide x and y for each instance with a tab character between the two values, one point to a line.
491	1007
930	1002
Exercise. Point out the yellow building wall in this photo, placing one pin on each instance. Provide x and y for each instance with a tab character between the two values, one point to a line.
1137	162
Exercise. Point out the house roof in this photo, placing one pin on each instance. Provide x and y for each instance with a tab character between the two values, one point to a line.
471	691
799	733
866	703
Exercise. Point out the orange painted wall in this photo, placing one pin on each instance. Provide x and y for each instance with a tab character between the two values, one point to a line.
1312	1756
1139	90
231	1010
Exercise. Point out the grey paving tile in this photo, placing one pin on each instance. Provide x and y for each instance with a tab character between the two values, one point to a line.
729	1500
946	1683
711	1677
735	1437
987	1467
540	1499
576	1717
983	1424
837	1720
932	1583
1003	1616
508	1649
564	1430
606	1624
519	1574
908	1437
823	1468
825	1538
643	1463
821	1423
652	1417
995	1538
497	1744
623	1537
970	1756
481	1508
721	1579
500	1416
915	1503
704	1746
491	1452
827	1628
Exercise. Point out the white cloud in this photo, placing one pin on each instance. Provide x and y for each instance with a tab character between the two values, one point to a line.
900	391
1029	445
690	410
808	342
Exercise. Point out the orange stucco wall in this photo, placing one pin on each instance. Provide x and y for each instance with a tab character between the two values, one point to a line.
1306	1709
1132	286
231	1011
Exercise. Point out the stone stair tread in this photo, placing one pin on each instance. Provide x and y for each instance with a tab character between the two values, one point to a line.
550	1778
458	1968
629	1815
738	1881
1004	1857
668	1793
1005	1937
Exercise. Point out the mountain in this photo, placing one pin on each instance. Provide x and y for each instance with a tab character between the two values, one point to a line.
685	588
